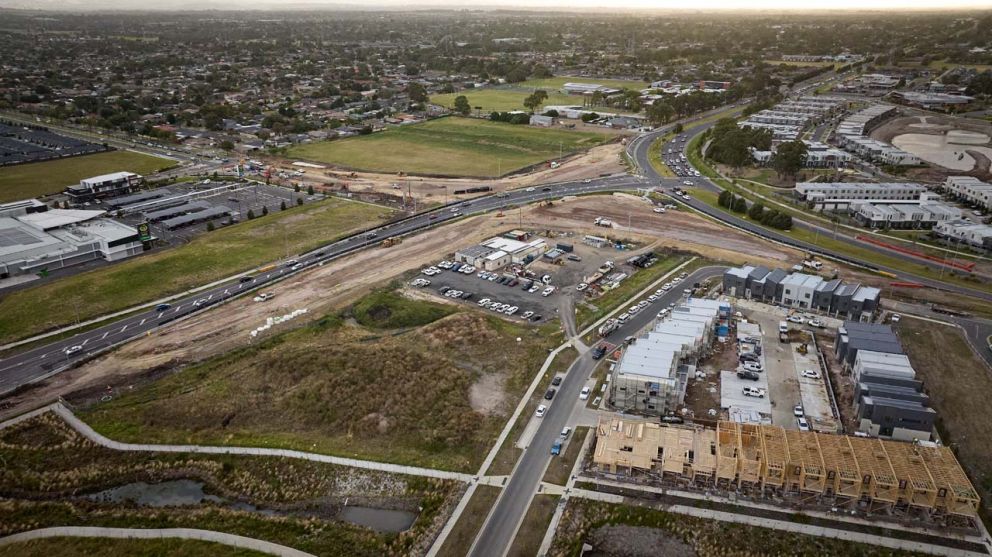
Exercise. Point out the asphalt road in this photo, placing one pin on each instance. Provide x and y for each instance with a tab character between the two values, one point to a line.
505	517
639	148
37	363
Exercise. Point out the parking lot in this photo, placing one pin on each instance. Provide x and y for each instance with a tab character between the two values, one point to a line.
505	288
189	198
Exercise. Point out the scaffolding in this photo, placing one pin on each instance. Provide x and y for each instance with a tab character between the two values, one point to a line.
875	475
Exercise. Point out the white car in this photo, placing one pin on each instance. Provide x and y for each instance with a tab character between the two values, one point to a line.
263	297
676	280
812	374
73	349
798	411
666	287
584	395
659	209
802	423
753	366
511	310
623	317
653	298
548	291
541	409
633	310
664	312
895	318
796	319
582	286
530	189
526	314
753	391
817	323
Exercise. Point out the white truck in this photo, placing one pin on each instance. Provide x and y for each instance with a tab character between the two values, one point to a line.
606	328
812	264
605	223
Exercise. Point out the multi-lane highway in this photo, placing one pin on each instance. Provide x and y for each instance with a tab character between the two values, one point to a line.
504	519
43	361
639	149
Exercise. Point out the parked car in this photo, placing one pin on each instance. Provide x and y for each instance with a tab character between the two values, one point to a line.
817	323
541	409
556	381
749	375
582	286
803	424
598	352
812	374
584	395
895	318
753	391
664	312
556	447
796	319
549	394
565	431
263	297
798	411
753	366
526	314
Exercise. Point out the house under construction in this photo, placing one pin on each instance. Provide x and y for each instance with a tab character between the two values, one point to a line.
761	460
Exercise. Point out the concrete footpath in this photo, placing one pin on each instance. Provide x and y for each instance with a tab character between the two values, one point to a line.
154	534
88	432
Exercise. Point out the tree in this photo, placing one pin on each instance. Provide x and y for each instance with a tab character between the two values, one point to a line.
660	113
417	92
789	158
678	127
756	211
251	214
461	105
282	206
740	205
299	201
227	145
265	210
310	190
726	199
296	188
535	99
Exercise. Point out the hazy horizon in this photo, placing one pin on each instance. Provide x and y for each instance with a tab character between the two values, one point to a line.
578	5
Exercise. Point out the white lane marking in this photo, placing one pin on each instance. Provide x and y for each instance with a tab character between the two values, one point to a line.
160	315
142	322
123	328
84	342
226	292
239	286
43	356
105	335
210	296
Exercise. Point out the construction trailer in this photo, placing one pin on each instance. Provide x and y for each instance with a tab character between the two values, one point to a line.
865	473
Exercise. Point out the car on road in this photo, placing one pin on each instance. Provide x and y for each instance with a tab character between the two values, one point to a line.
798	411
529	189
200	302
565	431
803	424
246	279
598	352
584	395
296	267
549	394
587	181
162	307
556	447
73	349
796	319
664	312
291	262
541	409
811	374
895	318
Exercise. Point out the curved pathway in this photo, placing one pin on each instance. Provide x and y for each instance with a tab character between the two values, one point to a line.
91	434
154	534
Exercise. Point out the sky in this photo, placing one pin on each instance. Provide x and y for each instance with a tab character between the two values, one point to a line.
584	5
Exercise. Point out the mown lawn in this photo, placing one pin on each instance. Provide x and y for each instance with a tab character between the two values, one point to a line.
450	147
209	257
334	387
502	99
42	178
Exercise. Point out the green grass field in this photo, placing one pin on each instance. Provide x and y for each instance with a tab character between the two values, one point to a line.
503	99
944	64
209	257
559	82
42	178
801	64
450	147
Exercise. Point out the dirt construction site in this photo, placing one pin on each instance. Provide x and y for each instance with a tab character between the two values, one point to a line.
339	283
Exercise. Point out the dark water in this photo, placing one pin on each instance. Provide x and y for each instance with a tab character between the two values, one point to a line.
185	493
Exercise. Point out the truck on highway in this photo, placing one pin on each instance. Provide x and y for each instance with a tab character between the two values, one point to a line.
605	223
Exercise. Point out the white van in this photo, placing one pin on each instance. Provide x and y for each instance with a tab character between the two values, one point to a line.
783	327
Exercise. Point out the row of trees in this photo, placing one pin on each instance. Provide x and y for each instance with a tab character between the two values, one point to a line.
757	212
731	144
